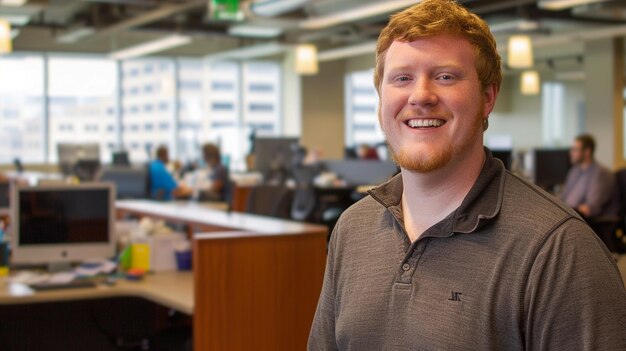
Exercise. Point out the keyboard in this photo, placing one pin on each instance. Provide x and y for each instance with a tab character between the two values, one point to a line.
80	283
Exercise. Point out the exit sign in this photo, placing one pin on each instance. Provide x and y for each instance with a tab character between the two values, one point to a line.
225	10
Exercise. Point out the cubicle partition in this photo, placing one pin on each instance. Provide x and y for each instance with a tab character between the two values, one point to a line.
256	291
256	279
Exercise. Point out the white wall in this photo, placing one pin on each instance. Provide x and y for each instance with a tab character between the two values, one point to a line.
520	117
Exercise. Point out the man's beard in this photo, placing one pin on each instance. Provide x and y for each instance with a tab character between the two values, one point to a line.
435	158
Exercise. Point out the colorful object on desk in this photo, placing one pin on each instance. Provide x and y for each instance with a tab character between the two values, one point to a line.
140	256
135	274
183	260
4	258
125	258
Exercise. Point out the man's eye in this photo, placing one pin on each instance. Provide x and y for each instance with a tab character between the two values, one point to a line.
403	79
445	77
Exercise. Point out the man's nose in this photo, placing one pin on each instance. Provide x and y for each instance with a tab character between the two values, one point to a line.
423	93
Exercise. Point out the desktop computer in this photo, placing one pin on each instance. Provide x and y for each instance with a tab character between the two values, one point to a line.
62	224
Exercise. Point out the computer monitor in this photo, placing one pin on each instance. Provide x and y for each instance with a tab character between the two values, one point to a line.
362	172
59	224
120	158
274	157
86	169
550	167
130	182
4	194
504	155
19	167
69	154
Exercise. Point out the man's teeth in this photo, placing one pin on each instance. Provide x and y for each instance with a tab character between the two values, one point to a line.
425	123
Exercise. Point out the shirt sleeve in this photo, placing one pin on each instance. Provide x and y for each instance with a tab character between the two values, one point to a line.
322	336
575	297
161	179
601	188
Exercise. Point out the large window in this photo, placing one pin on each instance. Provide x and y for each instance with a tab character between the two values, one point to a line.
82	98
243	98
361	110
148	107
553	115
134	105
191	111
22	133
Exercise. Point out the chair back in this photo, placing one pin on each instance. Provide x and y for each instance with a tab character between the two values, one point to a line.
270	200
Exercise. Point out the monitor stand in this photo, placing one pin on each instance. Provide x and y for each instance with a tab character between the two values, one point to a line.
55	267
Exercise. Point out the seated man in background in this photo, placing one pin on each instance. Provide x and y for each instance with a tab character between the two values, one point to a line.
213	188
589	187
163	186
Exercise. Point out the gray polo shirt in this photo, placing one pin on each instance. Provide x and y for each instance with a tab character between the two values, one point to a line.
510	269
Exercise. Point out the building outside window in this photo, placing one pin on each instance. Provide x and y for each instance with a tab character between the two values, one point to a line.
22	112
81	91
142	142
189	102
362	125
191	111
553	115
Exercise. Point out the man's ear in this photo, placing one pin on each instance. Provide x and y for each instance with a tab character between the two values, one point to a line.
490	94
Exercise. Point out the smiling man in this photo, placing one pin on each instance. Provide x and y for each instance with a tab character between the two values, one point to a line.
455	253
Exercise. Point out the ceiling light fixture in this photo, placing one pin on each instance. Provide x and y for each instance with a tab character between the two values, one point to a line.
249	52
255	31
557	5
354	14
5	37
16	20
12	2
306	59
529	83
74	35
271	8
150	47
520	53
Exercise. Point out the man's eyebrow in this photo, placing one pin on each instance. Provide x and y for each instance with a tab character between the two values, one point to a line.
438	67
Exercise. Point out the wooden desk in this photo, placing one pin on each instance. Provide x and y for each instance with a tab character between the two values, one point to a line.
171	289
256	279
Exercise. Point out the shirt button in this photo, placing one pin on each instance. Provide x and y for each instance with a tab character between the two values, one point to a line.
406	267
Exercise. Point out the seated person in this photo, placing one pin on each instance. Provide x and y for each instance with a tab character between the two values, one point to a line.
213	186
589	187
163	186
367	152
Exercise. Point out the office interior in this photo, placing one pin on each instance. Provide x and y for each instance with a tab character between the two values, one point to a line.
75	73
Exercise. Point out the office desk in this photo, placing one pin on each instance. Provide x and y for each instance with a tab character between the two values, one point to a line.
206	218
169	289
100	318
256	279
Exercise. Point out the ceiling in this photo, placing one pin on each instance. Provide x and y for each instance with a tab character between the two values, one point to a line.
109	25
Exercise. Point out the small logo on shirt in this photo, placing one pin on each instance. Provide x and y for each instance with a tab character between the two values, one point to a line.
456	296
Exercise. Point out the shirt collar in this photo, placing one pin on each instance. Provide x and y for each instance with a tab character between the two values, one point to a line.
481	204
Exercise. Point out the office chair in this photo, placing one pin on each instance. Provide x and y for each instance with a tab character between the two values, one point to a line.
304	197
610	229
270	200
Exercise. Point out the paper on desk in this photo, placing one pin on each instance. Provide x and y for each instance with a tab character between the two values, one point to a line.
61	278
90	270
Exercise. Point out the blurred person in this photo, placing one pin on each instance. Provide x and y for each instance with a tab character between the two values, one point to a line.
367	152
215	176
456	253
589	187
163	185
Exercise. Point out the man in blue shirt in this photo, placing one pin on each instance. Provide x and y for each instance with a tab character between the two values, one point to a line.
163	186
